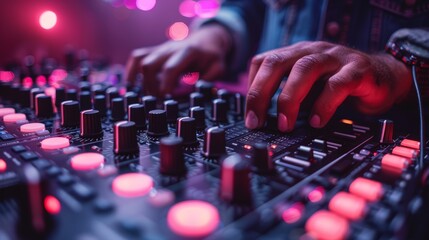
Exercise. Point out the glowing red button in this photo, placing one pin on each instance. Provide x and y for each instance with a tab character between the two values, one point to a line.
348	205
395	163
6	111
14	117
52	205
410	143
3	165
327	225
87	161
193	218
366	188
55	143
132	185
293	213
32	127
405	152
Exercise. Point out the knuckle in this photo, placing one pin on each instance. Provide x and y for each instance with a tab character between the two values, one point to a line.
285	99
253	96
306	63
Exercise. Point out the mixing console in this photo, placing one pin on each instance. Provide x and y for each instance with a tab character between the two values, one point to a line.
89	162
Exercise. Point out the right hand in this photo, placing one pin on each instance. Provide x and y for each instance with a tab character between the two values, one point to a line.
203	51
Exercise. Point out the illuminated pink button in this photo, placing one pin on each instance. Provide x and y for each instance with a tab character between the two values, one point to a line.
193	218
55	143
32	127
14	117
327	225
132	185
3	165
87	161
6	111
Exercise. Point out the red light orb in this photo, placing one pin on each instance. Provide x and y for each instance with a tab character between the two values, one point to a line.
6	76
145	5
191	78
48	20
52	205
178	31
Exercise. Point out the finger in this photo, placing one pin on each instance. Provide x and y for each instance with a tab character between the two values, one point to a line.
133	64
177	64
266	81
151	65
336	90
306	71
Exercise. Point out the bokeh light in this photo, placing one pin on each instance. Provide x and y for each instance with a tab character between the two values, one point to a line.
178	31
48	20
6	76
130	4
207	8
146	5
187	8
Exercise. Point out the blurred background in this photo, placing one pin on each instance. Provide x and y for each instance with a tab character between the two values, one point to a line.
104	30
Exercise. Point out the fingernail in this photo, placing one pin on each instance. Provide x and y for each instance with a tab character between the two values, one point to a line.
282	123
251	120
315	121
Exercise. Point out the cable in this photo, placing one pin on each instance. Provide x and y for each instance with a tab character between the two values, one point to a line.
421	124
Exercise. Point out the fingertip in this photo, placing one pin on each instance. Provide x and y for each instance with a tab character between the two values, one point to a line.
315	121
252	121
282	123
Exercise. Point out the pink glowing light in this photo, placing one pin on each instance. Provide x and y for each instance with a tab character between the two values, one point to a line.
293	213
130	4
191	78
178	31
6	76
41	81
58	75
131	185
145	5
207	8
27	82
187	8
48	20
52	205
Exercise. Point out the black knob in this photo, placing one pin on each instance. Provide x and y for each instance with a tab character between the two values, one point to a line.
196	99
70	114
71	94
238	106
34	222
172	109
219	110
34	93
131	98
117	109
100	104
90	124
85	87
85	100
111	93
157	123
60	96
136	114
261	158
235	182
25	97
44	108
14	93
385	131
199	114
98	90
224	94
187	131
172	160
214	142
206	89
149	103
125	138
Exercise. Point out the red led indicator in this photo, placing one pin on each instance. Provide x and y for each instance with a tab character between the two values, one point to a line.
52	205
193	218
293	213
132	185
87	161
316	194
48	20
248	147
3	165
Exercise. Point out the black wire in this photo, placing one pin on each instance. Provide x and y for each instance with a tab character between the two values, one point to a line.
421	130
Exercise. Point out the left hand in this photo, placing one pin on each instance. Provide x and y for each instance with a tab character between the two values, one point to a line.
375	81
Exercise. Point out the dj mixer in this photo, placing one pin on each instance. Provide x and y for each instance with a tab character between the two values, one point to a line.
86	161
